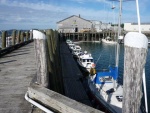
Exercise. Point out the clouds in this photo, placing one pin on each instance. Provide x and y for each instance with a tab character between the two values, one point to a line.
44	14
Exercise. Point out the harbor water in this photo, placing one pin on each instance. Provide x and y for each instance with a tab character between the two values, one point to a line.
104	56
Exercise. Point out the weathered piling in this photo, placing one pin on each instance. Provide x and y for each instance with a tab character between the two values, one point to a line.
22	37
51	59
27	35
14	37
41	58
18	37
31	35
135	58
4	34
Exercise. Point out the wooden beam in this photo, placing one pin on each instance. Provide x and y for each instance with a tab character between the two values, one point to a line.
58	102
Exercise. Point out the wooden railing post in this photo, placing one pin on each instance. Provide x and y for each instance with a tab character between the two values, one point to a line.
41	58
4	33
135	57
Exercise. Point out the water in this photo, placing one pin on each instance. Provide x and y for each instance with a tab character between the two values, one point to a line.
105	54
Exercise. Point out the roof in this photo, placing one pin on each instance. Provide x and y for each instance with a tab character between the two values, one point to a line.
73	16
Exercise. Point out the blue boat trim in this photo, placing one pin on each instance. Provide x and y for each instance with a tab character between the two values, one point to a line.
113	72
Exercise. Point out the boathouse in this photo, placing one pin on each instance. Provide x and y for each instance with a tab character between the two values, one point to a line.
74	24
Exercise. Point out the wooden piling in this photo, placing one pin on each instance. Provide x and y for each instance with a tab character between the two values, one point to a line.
18	37
4	34
22	37
41	58
31	35
135	58
50	55
27	36
14	37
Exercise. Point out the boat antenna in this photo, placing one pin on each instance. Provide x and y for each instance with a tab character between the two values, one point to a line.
144	81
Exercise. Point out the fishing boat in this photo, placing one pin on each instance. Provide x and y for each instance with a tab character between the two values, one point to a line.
85	61
105	88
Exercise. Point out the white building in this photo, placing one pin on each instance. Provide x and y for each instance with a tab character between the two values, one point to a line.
134	27
74	24
97	25
77	24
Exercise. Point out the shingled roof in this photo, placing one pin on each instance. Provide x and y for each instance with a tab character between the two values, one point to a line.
73	16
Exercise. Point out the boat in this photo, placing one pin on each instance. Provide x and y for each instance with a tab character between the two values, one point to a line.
105	89
85	61
71	46
76	51
108	40
68	41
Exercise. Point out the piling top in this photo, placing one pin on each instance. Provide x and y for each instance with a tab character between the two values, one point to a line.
135	39
38	35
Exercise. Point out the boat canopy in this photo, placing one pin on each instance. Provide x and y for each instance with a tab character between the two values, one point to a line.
113	72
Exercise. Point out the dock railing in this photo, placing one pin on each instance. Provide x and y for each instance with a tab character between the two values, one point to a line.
14	41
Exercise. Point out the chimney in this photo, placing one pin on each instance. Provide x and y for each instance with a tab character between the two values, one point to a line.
79	15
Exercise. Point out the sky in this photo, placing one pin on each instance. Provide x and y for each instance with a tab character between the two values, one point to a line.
44	14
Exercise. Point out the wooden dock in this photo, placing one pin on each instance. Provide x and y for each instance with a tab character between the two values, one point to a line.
16	71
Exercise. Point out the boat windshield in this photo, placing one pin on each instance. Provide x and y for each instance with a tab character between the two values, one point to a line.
87	60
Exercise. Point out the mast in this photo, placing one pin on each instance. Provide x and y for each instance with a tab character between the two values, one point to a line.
119	32
144	80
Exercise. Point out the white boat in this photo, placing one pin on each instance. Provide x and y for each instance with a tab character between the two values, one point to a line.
68	41
85	61
71	46
104	87
76	51
108	40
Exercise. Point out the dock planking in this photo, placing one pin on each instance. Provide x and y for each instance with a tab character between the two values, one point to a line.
71	77
16	72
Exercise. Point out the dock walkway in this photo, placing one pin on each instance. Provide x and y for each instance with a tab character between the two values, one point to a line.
16	72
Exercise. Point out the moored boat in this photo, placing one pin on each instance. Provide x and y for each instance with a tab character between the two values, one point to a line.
85	61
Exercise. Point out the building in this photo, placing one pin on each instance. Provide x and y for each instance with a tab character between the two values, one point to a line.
74	24
96	25
105	26
77	24
134	27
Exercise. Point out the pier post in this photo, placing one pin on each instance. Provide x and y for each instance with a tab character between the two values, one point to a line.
41	58
135	57
4	33
14	37
22	37
51	59
31	35
18	37
27	36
